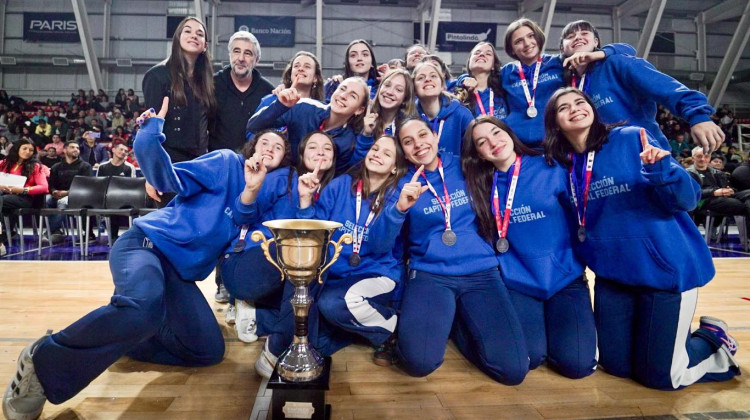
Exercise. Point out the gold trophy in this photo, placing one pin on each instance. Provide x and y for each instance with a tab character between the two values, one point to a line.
301	247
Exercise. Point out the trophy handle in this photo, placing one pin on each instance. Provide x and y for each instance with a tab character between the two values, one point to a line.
258	236
347	239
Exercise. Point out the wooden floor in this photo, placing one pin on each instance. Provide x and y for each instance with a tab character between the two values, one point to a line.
35	296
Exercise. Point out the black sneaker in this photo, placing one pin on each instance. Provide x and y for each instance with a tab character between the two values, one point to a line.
385	354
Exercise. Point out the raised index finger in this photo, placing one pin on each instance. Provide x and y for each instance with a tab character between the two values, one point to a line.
294	83
317	168
644	139
416	175
164	108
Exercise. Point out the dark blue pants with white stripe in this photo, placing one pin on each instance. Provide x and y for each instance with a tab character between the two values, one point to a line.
560	330
645	334
154	316
486	331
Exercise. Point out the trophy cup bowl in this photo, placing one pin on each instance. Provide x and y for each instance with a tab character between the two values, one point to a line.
301	248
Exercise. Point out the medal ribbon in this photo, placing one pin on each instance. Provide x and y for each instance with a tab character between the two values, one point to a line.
502	223
573	80
575	186
446	206
357	236
436	127
481	105
530	97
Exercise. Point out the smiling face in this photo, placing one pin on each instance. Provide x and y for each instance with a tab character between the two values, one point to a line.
381	158
303	70
420	144
428	82
318	148
573	113
349	98
392	92
272	148
525	45
193	38
120	151
579	40
493	144
243	57
482	58
359	59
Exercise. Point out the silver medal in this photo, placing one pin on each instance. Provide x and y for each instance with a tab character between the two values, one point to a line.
449	237
502	245
531	111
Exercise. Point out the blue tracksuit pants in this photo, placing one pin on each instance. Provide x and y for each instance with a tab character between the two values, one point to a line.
153	316
560	330
645	334
487	330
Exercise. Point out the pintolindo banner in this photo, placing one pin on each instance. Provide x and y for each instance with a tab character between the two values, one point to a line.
50	27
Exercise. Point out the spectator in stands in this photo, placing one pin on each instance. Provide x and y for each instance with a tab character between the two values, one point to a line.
60	127
716	195
60	178
121	133
4	98
49	157
133	97
120	98
118	120
27	131
16	121
21	160
717	162
130	109
5	146
43	132
58	144
92	152
733	159
117	166
92	116
186	77
680	148
95	126
39	116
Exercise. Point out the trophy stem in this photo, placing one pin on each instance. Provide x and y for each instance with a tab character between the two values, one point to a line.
301	362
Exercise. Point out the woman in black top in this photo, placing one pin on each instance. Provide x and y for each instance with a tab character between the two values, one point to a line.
186	77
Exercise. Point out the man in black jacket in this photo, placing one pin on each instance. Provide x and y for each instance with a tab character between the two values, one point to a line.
239	88
61	177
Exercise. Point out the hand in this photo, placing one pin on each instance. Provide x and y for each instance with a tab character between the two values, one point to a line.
411	191
709	135
469	83
58	194
650	154
153	193
149	113
255	172
723	192
307	184
382	71
369	122
278	89
336	79
289	96
582	58
12	190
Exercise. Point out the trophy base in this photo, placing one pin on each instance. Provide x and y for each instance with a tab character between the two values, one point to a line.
300	400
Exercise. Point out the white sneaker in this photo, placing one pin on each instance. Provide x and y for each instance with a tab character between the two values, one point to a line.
266	362
24	398
245	322
231	314
3	251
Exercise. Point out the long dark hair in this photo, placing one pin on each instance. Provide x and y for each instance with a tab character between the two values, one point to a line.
373	72
478	173
316	91
248	149
390	183
301	169
556	145
572	27
407	107
493	80
27	166
202	82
